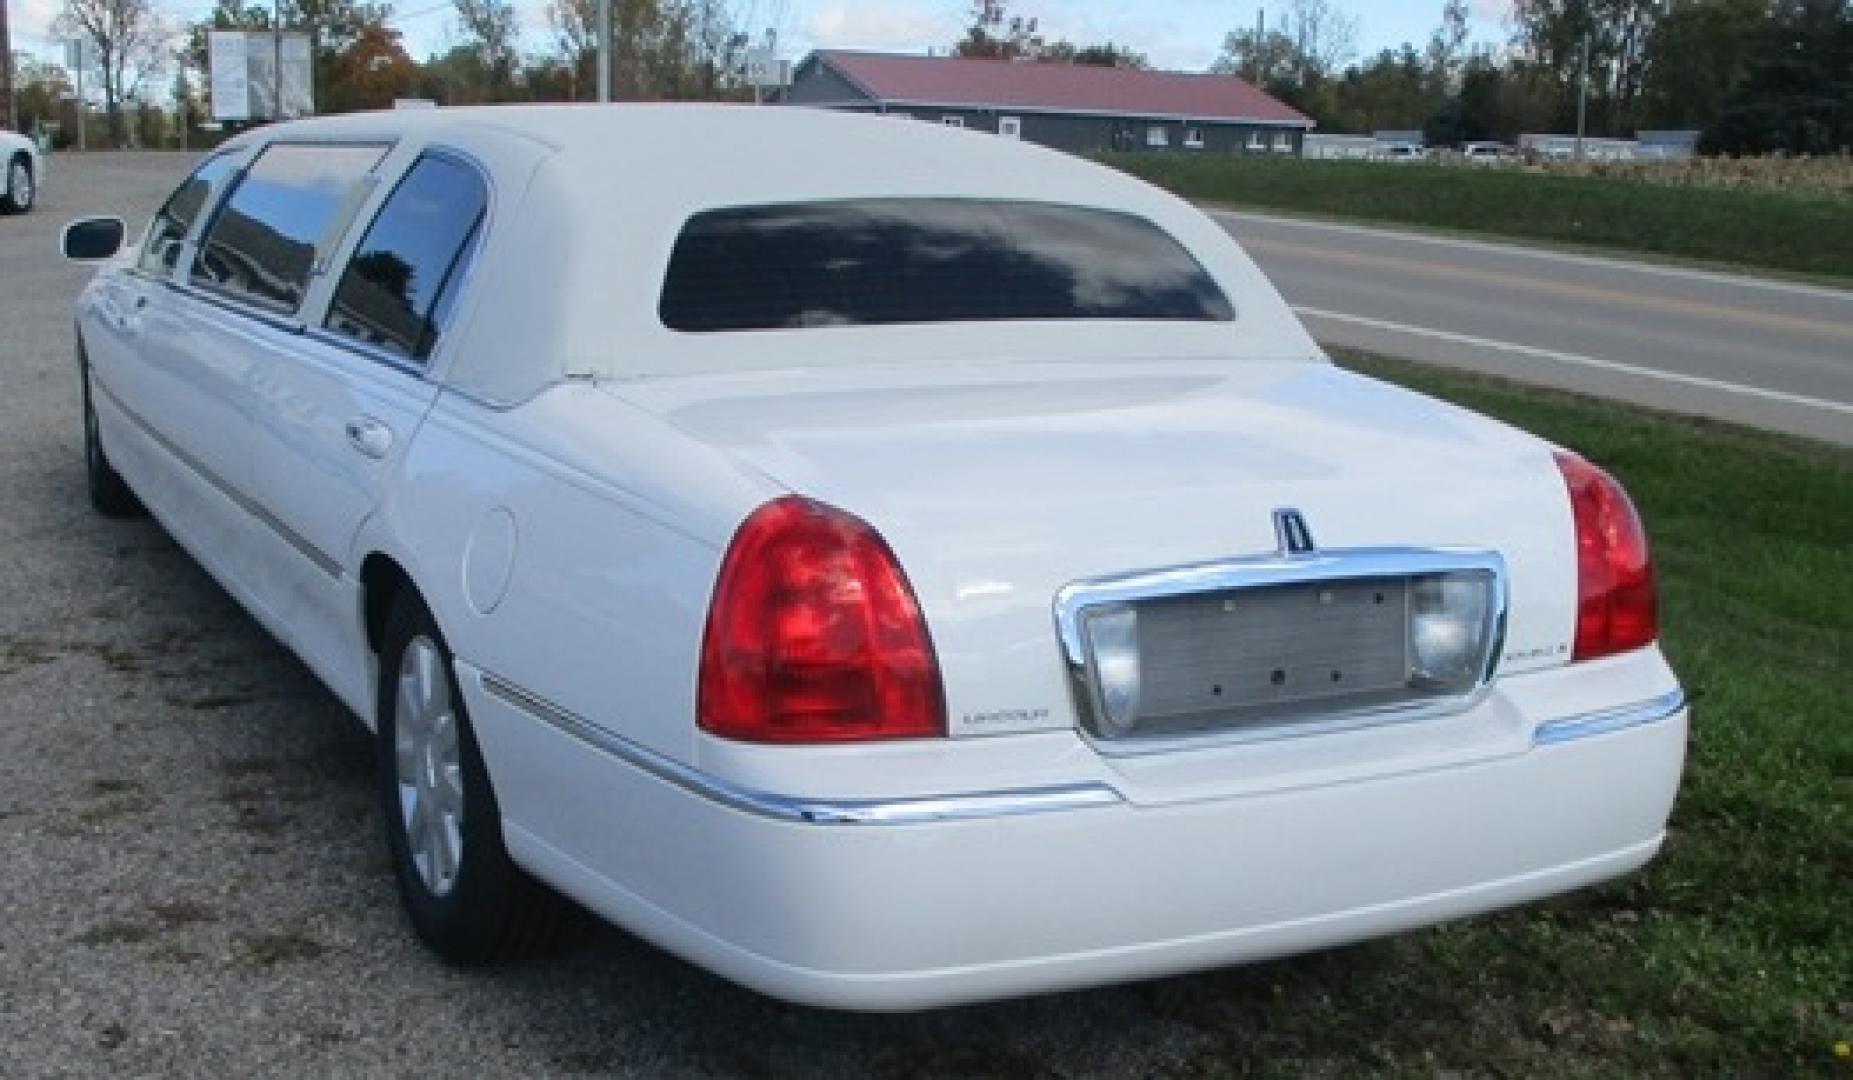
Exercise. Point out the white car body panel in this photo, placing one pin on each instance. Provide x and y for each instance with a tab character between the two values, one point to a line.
12	144
561	483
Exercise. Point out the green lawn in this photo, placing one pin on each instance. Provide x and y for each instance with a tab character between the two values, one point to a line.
1796	232
1732	954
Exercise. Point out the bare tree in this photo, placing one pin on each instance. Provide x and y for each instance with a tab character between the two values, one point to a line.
574	24
1326	37
1447	47
129	40
1312	41
492	28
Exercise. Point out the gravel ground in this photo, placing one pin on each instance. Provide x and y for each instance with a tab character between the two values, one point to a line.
192	878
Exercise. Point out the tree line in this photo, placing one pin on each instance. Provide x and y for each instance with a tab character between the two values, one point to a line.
1755	76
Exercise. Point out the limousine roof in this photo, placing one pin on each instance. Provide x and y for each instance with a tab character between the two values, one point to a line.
587	202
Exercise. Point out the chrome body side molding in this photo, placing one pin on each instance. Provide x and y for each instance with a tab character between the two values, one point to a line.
1605	721
910	810
317	558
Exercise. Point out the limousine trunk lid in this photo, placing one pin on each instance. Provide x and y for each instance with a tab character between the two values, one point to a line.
999	485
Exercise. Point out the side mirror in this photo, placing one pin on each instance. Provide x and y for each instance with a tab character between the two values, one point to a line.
93	239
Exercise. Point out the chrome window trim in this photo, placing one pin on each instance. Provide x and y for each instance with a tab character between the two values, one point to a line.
907	810
1607	721
1073	600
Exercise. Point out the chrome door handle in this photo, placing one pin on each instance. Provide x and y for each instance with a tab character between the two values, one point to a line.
369	436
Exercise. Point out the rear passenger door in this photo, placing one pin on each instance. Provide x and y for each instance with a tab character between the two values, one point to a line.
238	312
337	411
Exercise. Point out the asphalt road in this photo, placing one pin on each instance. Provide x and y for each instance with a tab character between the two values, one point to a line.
1755	351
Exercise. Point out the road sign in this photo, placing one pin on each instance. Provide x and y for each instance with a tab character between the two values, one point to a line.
763	68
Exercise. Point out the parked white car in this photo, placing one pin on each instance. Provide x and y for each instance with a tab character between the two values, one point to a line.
886	566
22	172
1489	153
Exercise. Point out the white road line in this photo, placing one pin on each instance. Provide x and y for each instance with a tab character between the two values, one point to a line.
1516	248
1579	360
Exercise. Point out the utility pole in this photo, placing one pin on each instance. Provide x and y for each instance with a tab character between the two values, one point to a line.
8	114
1582	95
1261	32
276	59
604	51
80	50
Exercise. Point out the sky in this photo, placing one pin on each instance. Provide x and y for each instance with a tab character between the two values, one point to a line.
1182	35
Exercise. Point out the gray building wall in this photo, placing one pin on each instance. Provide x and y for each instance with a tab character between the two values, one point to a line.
1084	134
816	84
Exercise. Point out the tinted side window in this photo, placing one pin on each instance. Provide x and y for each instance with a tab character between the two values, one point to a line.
396	290
263	244
168	231
884	261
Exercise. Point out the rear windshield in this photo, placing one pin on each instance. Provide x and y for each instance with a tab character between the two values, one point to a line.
872	262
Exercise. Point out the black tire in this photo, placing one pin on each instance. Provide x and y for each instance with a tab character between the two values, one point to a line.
490	911
17	201
110	494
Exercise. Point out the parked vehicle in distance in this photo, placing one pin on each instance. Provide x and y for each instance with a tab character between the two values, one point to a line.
931	574
22	171
1403	153
1489	153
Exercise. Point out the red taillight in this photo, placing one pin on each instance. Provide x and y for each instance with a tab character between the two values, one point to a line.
1614	575
814	635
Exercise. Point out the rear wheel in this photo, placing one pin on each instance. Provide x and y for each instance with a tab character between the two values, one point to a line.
17	189
109	493
465	898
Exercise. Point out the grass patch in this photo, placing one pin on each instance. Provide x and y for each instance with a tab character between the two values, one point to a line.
1733	952
1806	232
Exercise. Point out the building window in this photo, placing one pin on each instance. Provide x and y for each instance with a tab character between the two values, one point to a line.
1283	142
953	121
1193	138
1157	135
1257	142
1010	127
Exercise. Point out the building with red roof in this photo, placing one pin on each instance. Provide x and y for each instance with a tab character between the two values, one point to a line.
1073	107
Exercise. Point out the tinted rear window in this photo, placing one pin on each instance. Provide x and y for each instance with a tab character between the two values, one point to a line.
884	261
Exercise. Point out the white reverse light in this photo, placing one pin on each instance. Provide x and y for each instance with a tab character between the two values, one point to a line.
1449	617
1113	634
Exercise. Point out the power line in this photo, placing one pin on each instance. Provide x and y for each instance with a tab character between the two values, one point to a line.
429	9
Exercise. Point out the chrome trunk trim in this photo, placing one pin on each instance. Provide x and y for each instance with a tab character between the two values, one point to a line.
1072	601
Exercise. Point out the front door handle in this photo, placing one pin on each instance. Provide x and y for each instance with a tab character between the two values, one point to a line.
369	436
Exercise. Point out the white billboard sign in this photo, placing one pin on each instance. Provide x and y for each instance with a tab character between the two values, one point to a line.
228	75
260	76
764	68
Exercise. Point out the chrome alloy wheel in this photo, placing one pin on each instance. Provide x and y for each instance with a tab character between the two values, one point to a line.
19	184
429	758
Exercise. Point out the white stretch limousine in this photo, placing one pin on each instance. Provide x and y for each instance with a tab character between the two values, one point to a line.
887	565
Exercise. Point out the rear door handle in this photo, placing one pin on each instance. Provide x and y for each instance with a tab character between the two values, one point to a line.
369	436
